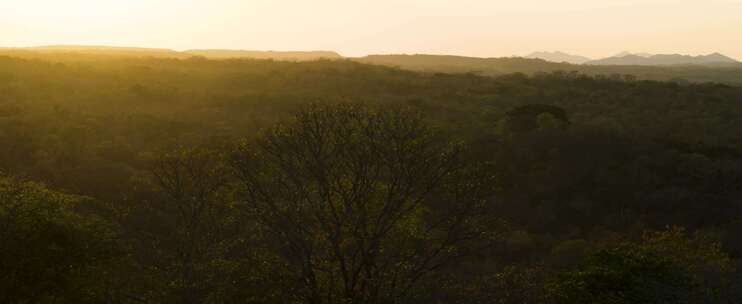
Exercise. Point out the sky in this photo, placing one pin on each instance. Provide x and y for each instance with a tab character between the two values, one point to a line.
483	28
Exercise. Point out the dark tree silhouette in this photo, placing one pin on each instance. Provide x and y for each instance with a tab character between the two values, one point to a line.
192	180
363	203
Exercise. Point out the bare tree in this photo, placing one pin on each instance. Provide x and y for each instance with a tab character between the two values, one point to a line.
192	180
363	202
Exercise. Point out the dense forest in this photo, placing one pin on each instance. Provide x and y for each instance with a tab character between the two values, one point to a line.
728	73
191	180
680	73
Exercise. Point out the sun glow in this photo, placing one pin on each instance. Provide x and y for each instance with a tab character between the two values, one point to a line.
358	27
78	12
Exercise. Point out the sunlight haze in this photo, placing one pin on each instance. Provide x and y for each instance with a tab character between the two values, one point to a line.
356	28
371	151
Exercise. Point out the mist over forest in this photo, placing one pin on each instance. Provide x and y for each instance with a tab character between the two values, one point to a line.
214	176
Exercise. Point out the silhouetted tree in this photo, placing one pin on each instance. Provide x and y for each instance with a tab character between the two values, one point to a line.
363	203
192	181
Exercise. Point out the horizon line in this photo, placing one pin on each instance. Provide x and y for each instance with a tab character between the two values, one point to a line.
185	50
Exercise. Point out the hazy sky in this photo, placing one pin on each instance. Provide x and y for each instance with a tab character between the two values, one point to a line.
486	28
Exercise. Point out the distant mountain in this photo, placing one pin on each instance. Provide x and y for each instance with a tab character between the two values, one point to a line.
625	53
709	68
98	50
625	58
461	64
275	55
729	74
559	57
167	53
95	48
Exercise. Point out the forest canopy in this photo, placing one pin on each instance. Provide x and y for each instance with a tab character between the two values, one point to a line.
165	180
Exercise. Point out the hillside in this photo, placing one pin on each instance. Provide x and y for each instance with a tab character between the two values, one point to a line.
559	57
500	66
92	49
714	59
461	64
63	51
274	55
135	160
60	52
712	69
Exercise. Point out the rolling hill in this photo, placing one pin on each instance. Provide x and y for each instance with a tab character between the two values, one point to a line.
167	53
714	59
710	68
274	55
729	74
559	57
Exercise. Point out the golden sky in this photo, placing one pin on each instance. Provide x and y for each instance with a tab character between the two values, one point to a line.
486	28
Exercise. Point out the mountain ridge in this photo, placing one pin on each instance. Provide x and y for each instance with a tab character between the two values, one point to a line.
728	73
164	52
276	55
713	59
559	57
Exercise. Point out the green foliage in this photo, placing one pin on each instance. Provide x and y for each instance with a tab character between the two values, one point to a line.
664	267
535	116
624	275
571	162
48	250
